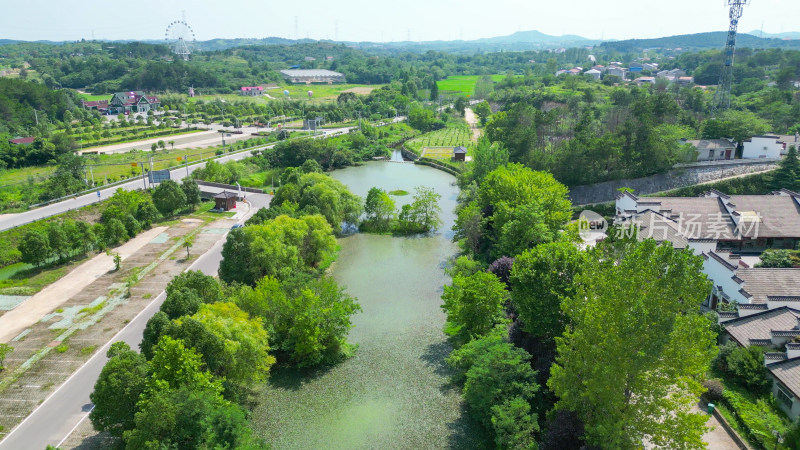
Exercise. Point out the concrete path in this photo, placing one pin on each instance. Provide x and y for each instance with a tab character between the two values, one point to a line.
60	414
51	297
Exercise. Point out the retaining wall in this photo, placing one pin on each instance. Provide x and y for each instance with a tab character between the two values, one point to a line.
680	176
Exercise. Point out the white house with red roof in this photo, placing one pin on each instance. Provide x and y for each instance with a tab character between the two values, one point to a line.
251	91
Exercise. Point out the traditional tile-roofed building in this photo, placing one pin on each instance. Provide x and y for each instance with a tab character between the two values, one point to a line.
714	149
459	153
773	329
726	230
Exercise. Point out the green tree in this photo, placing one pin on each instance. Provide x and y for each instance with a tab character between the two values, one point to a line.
283	248
186	418
168	197
736	125
188	242
787	175
636	350
317	193
58	239
244	348
117	390
114	232
422	215
380	210
174	365
746	364
541	279
191	190
34	248
483	111
486	158
474	303
309	324
527	208
513	424
205	286
434	97
157	326
501	374
181	302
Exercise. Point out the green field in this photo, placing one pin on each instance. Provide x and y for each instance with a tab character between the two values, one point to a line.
464	84
322	92
91	97
440	143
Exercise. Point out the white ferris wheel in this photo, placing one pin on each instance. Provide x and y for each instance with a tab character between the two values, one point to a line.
180	36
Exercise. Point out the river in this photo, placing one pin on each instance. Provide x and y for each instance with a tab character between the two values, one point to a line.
394	392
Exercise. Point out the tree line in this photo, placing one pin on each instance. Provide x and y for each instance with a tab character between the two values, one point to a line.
557	347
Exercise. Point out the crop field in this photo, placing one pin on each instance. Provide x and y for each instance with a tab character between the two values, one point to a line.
436	142
464	84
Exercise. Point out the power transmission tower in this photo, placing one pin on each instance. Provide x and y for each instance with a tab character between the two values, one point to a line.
722	99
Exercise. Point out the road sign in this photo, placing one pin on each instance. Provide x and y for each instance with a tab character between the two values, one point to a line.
157	176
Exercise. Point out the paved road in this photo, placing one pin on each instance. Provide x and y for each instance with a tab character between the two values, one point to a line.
53	421
14	220
194	140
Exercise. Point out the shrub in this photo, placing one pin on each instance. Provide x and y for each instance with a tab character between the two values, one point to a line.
747	365
714	391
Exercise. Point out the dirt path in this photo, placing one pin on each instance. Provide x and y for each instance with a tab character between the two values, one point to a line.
51	297
472	120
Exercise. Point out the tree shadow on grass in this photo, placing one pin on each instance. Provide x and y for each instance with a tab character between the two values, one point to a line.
293	379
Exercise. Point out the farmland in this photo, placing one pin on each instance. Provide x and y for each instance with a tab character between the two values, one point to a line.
322	93
440	142
462	85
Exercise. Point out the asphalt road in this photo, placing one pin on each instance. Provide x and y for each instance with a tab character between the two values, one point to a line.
53	421
14	220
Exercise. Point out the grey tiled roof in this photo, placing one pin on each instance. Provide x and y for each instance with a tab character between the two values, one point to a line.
760	325
700	217
788	373
652	225
780	214
763	283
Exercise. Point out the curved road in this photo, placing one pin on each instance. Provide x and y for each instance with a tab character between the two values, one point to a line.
56	418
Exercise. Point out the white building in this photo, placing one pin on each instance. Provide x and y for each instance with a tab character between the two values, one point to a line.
729	232
714	149
594	73
762	147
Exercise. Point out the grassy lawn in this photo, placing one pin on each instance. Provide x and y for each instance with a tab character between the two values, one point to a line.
464	84
436	143
91	97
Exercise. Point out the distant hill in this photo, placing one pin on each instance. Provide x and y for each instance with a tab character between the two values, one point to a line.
519	41
698	41
785	35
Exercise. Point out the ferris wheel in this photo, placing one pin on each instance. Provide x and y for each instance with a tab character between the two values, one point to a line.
179	36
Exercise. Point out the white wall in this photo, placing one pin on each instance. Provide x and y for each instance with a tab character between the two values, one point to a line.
760	147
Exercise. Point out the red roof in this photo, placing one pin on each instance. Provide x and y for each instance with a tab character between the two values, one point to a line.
251	88
96	103
26	140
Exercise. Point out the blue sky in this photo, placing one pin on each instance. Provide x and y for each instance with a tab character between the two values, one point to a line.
383	20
